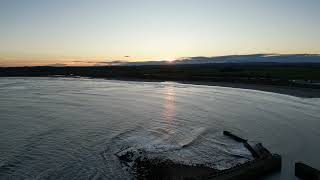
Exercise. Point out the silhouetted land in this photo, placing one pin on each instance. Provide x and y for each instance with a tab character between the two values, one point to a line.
300	75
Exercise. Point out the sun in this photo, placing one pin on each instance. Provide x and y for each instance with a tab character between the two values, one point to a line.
170	60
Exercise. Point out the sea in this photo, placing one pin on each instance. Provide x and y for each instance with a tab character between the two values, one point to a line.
72	128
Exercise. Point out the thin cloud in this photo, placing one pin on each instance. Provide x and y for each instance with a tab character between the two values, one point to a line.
57	65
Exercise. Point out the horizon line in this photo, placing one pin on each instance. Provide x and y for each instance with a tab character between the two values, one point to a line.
92	63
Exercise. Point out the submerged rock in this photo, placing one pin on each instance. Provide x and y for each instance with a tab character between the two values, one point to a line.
149	165
144	166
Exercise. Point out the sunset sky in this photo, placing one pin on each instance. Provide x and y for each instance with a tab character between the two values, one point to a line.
85	32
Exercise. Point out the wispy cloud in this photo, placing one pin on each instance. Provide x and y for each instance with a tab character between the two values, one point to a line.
57	65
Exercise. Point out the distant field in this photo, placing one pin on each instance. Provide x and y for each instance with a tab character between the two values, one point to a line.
261	73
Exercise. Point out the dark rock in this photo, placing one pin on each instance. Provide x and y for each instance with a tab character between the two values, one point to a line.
306	172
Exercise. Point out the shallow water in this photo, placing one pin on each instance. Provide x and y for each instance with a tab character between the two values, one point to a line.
66	128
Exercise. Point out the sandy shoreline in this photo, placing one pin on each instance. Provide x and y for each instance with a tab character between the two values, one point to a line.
286	90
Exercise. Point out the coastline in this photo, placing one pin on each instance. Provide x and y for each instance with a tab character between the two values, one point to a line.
286	90
297	79
302	92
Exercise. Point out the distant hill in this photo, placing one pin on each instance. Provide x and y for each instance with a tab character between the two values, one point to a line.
253	58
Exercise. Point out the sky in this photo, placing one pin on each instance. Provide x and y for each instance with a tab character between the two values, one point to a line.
84	32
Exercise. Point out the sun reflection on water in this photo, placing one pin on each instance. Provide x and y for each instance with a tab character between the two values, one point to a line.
169	109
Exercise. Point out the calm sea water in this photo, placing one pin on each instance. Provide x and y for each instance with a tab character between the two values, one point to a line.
66	128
